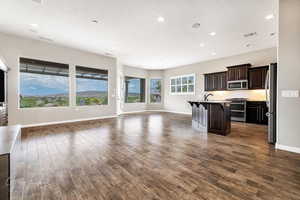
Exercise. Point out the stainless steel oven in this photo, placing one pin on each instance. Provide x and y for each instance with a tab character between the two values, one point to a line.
238	109
237	85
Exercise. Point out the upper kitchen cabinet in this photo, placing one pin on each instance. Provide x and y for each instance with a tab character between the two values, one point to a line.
257	77
238	72
215	81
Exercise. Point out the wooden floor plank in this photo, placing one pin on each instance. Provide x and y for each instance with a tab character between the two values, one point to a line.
153	156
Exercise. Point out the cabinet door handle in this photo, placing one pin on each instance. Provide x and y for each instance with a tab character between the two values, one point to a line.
7	182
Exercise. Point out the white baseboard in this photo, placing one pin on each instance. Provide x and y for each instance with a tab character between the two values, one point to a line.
96	118
183	113
168	111
287	148
67	121
132	112
140	111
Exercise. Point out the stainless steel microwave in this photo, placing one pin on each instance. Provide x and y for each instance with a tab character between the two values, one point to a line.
237	85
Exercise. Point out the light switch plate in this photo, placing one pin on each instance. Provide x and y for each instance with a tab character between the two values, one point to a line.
290	93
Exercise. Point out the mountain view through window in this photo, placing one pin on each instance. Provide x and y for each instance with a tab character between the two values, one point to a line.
43	84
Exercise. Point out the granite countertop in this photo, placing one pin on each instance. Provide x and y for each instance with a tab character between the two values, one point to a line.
211	101
8	135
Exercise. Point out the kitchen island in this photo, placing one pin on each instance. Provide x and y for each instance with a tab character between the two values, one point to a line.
211	116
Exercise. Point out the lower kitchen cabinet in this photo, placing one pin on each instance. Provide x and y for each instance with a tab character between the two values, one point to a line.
10	151
256	112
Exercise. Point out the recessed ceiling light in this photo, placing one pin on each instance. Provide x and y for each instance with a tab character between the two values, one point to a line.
160	19
268	17
202	44
33	30
34	25
250	34
38	1
213	33
213	53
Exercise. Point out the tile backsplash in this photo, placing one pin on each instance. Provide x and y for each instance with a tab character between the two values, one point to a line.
252	95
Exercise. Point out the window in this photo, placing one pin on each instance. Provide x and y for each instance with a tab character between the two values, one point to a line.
155	90
134	90
182	84
91	86
43	84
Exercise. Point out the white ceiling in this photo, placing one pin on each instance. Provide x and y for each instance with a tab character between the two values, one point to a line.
129	28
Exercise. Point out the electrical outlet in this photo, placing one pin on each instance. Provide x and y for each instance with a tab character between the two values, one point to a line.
290	93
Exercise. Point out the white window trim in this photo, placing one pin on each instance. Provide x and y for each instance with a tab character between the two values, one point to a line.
182	93
161	81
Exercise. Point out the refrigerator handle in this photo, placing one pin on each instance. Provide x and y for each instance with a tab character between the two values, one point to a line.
266	88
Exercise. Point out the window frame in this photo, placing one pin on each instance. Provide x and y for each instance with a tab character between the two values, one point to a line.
75	85
176	85
161	90
46	61
145	89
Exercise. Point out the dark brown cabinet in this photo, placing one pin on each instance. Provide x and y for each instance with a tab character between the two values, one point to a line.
215	81
219	119
211	117
257	77
238	72
256	112
10	152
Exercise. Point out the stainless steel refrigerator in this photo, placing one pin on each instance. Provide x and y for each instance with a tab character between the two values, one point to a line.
271	99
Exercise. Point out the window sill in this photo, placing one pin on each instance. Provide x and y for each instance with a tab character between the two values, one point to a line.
136	103
63	107
182	94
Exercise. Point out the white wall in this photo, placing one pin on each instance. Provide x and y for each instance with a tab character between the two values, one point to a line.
13	47
178	103
289	74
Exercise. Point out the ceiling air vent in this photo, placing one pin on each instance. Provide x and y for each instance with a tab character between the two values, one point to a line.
250	34
46	39
196	25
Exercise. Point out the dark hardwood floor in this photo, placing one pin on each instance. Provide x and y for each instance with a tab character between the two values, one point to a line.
153	156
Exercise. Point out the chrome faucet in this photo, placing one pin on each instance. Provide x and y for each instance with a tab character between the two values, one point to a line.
207	95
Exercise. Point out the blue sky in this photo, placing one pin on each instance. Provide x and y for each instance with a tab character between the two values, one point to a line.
134	86
91	85
41	85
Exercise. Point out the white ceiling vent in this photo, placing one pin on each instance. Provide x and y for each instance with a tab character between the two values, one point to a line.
196	25
38	1
46	39
250	34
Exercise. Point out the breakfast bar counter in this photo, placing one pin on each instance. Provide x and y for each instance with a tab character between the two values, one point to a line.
211	116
